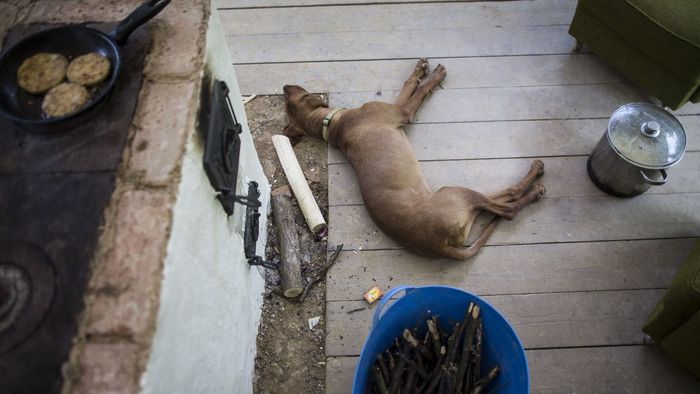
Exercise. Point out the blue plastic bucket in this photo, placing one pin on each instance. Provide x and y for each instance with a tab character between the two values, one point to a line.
501	345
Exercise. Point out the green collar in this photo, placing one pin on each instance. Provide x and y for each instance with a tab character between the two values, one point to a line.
327	122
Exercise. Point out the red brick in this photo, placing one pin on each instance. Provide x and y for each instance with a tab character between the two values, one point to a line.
128	313
162	125
127	282
108	368
178	35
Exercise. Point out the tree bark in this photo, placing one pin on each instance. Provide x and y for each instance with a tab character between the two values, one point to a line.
290	263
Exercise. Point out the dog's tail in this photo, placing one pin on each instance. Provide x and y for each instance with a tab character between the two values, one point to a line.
458	253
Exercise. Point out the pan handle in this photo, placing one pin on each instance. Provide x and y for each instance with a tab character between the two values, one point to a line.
141	15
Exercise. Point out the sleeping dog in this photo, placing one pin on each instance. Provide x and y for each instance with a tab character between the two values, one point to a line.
397	196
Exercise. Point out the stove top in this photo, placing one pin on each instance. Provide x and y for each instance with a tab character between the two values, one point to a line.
53	190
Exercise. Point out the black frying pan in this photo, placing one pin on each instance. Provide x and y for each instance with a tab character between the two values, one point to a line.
24	109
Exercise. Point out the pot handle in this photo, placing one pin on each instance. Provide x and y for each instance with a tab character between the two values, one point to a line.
664	178
385	299
138	17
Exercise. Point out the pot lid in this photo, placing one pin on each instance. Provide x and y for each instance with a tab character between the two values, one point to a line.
646	135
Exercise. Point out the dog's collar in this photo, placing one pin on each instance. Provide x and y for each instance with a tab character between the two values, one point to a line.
327	122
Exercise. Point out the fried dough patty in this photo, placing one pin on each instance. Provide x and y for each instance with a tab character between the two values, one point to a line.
89	69
65	99
41	72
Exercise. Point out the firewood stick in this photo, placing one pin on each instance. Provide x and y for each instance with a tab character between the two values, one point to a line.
453	343
410	384
290	262
415	344
470	322
413	365
297	181
435	335
484	382
400	365
477	351
449	384
383	367
381	385
321	275
434	383
392	362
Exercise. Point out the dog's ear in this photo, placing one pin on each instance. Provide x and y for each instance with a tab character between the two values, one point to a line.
290	89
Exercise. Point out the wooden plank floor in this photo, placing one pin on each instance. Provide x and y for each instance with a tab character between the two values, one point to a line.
578	272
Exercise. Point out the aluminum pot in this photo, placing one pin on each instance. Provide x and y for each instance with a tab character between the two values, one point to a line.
642	141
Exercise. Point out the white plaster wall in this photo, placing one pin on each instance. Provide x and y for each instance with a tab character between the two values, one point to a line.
210	298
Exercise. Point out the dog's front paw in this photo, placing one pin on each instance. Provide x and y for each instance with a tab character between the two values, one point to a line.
540	190
422	67
538	166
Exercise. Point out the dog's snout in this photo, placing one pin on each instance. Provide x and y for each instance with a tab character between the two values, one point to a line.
286	89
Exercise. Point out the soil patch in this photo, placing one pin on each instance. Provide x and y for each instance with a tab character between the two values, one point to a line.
290	355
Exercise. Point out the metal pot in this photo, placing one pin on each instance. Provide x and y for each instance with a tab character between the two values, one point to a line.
642	141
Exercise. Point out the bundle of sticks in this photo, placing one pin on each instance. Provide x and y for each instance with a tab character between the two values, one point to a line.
437	363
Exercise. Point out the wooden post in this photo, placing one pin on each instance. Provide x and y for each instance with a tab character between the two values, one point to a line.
290	263
297	181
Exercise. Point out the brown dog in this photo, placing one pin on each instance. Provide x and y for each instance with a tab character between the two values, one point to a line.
397	197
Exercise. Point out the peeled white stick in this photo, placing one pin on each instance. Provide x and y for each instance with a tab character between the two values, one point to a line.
299	186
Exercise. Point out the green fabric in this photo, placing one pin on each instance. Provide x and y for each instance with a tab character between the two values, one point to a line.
681	300
696	96
683	344
675	322
667	31
672	90
677	16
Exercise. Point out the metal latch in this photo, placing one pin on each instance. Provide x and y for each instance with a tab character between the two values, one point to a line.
223	148
250	237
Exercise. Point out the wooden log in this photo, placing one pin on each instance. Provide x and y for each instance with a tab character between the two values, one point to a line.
290	262
297	181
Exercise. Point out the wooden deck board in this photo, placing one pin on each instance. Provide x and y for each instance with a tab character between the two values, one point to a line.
578	272
241	4
516	269
389	75
502	140
396	17
410	44
564	177
517	103
553	220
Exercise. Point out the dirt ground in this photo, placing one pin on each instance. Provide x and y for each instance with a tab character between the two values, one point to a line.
291	357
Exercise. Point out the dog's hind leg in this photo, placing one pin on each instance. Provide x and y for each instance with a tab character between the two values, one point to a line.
508	210
420	71
410	107
517	191
459	253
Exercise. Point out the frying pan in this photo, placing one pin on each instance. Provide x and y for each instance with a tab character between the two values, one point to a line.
70	41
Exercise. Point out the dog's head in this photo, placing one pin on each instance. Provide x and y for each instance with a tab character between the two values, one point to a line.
299	105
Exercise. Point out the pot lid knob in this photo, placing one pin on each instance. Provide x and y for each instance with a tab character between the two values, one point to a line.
651	129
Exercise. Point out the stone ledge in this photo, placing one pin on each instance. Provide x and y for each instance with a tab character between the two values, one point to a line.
178	41
79	11
107	368
8	13
163	120
125	286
